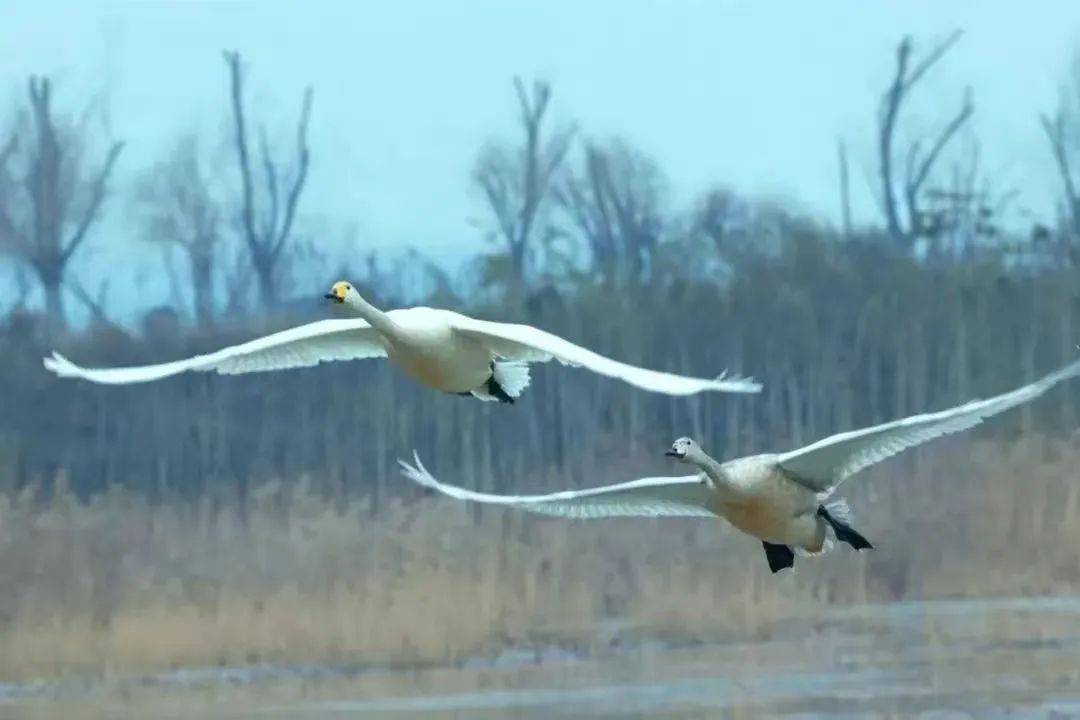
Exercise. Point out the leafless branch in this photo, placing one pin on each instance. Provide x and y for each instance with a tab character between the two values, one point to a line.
269	226
8	150
232	59
942	140
303	158
890	107
96	306
932	57
265	246
494	187
845	189
96	196
918	167
515	185
11	239
1055	133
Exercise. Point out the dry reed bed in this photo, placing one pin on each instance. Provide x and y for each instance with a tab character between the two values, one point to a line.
116	585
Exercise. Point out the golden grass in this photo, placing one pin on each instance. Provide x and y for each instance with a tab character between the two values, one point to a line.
116	586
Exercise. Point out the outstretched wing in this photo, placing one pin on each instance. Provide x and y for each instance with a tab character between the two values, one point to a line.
829	462
528	344
648	497
303	346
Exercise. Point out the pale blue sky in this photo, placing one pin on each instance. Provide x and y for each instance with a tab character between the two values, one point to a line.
749	94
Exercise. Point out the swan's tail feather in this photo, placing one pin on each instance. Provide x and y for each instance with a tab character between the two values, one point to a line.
508	380
736	383
826	546
512	377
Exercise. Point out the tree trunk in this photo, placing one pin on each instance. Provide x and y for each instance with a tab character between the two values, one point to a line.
202	284
264	270
794	408
1027	355
1068	354
54	302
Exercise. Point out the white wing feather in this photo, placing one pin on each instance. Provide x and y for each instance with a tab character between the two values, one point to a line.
830	461
528	344
302	346
649	497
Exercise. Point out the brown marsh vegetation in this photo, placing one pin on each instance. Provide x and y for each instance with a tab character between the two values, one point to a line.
115	585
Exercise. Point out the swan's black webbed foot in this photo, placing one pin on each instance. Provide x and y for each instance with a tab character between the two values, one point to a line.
844	532
779	556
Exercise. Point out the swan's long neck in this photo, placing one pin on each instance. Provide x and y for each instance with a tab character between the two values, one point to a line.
378	319
722	482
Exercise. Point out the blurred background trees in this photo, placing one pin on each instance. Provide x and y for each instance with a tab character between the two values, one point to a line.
266	218
516	184
51	192
939	301
177	208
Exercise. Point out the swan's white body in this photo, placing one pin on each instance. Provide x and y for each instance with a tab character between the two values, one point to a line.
442	349
428	349
777	498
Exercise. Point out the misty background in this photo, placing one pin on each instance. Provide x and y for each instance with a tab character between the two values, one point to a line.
751	96
874	212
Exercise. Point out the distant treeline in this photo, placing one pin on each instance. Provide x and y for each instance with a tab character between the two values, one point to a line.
945	299
842	333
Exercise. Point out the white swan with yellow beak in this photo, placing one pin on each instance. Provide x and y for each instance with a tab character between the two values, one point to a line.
441	349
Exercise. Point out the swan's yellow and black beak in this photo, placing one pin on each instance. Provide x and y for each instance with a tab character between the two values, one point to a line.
338	292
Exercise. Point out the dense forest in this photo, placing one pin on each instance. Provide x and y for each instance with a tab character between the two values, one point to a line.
940	301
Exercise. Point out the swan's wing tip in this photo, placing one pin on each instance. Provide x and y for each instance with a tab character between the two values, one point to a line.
417	473
60	365
736	383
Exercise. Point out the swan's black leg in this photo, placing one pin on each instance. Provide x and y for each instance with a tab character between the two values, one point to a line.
844	532
779	556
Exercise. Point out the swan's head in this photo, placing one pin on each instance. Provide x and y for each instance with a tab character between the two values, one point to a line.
686	450
340	291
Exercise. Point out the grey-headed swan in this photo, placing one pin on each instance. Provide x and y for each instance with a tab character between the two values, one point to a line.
783	499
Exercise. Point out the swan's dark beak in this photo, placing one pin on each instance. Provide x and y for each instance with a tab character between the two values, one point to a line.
335	298
672	453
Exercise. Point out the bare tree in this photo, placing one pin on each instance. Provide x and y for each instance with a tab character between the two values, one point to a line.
845	188
179	210
267	225
738	229
1058	135
95	305
1063	132
517	181
615	204
963	209
723	218
22	288
62	201
919	162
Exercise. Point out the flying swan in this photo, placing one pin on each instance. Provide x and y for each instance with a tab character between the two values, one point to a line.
442	349
781	499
